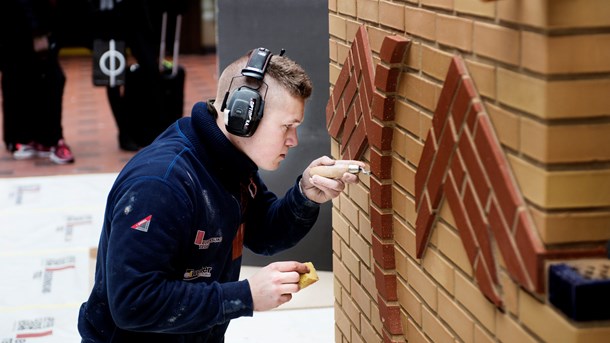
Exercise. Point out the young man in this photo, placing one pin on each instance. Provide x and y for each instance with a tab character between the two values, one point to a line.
181	211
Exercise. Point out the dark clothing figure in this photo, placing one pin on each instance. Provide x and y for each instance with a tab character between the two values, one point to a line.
185	268
32	81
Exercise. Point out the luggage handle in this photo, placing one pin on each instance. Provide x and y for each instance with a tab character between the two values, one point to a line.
176	43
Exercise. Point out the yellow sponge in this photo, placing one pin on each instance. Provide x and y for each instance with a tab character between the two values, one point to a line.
308	278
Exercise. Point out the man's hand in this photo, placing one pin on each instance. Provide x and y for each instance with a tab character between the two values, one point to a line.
274	284
321	189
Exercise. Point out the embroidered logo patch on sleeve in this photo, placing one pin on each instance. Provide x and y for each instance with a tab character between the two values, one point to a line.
143	224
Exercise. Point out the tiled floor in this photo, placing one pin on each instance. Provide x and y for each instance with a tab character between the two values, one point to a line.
89	126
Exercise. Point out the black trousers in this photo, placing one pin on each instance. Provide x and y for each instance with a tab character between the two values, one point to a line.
32	96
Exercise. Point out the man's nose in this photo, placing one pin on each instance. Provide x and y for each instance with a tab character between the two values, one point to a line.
292	139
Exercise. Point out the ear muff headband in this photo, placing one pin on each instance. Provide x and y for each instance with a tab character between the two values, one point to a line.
245	107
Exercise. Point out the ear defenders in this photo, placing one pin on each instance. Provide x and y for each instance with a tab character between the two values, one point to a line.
245	107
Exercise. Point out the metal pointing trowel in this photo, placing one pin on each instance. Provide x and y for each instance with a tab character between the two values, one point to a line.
336	171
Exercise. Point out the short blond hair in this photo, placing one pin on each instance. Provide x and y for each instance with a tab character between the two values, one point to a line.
289	75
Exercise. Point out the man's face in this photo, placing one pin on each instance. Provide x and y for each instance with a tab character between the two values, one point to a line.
277	131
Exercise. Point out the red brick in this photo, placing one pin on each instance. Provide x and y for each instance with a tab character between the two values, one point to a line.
383	107
497	169
390	315
350	91
425	164
386	79
457	169
383	253
478	222
342	79
381	165
423	225
381	194
386	284
379	136
445	99
393	49
461	219
486	285
506	245
349	124
441	165
474	169
530	250
336	124
330	111
355	146
381	223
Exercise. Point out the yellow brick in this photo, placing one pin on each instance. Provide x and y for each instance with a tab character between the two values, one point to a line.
508	330
532	12
506	125
476	7
408	117
332	5
376	37
365	228
434	328
566	54
333	73
404	237
509	293
342	52
362	298
409	301
347	7
469	295
484	77
350	260
349	210
360	195
402	262
337	290
360	247
413	59
496	42
414	149
351	310
342	322
444	4
578	13
414	333
369	334
455	32
420	23
403	175
440	269
452	313
571	227
435	62
450	244
368	10
336	26
556	99
356	335
352	28
336	243
548	144
421	284
340	225
367	280
481	336
562	189
392	15
445	213
399	143
341	273
418	90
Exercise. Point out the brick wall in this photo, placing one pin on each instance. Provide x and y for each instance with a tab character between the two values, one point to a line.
487	128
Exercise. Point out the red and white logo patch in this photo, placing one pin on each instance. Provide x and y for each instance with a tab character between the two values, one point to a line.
143	224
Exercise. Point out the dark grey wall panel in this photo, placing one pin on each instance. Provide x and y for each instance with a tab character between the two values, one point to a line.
300	27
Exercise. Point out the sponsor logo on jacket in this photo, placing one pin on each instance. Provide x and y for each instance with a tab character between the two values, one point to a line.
205	243
191	274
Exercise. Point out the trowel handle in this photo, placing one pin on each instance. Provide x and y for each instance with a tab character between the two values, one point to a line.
335	171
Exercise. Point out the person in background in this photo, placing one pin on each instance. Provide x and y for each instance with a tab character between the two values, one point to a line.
181	211
32	82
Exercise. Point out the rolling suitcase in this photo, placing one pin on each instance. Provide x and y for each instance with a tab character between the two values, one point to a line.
155	100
